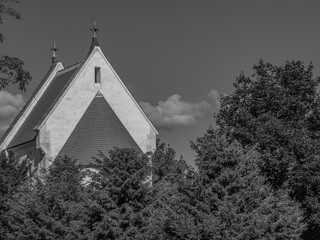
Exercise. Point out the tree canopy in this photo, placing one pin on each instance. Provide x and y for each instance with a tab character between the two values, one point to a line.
228	200
276	110
12	70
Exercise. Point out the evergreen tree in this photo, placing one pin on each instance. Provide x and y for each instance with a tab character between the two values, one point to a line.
277	110
226	199
14	174
55	207
121	189
232	188
165	166
170	213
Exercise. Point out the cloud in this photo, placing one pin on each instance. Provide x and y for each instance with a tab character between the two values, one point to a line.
9	108
174	112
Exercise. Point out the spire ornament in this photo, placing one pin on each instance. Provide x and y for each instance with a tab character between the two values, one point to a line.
94	29
94	42
54	50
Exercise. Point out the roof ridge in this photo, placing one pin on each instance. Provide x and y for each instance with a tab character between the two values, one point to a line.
28	102
69	68
26	131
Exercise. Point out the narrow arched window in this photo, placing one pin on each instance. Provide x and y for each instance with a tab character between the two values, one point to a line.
97	75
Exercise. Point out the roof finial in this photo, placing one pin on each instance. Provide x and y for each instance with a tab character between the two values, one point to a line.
94	29
54	52
94	42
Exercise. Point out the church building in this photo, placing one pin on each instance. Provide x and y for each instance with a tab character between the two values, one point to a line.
78	111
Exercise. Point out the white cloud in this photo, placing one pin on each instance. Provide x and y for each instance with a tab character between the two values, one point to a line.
175	112
9	108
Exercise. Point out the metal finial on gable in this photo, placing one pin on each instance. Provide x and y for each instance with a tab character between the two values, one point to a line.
54	50
94	29
94	42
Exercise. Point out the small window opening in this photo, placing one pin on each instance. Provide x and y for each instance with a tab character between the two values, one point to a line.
97	75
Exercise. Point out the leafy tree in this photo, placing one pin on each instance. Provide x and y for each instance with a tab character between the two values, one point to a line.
277	110
11	68
4	10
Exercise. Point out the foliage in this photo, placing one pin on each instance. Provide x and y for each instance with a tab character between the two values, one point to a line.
66	204
53	208
277	111
11	68
121	189
226	199
4	10
165	166
13	175
12	72
232	188
168	214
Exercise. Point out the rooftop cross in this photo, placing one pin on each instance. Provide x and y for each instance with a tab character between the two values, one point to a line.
94	42
94	29
54	52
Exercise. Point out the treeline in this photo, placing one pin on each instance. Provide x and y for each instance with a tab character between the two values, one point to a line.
226	199
257	176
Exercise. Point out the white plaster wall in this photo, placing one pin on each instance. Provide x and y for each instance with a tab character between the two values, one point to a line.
64	117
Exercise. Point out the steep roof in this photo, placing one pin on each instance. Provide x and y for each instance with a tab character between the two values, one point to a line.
52	94
26	132
99	129
51	69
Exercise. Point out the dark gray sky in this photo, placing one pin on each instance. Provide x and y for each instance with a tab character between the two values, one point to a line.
173	51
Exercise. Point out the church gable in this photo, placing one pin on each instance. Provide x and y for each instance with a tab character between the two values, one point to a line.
99	129
61	119
57	116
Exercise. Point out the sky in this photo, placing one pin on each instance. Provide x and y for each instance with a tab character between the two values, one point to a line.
176	57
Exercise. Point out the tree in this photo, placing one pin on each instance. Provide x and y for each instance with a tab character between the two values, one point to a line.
277	111
121	189
170	212
165	166
232	188
56	207
11	68
13	175
226	199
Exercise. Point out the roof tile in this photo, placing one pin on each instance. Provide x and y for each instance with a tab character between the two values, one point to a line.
99	129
